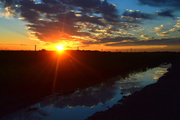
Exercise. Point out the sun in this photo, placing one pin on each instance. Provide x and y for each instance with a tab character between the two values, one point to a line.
60	47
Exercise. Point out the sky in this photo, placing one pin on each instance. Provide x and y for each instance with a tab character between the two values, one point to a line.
108	25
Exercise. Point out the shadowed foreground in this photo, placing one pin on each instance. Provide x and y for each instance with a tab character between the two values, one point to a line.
159	101
26	77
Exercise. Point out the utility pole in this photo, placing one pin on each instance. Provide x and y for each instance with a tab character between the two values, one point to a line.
35	47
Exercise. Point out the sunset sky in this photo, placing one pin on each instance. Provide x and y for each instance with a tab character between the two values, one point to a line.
109	25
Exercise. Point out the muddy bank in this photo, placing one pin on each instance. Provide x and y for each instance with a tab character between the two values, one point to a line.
159	101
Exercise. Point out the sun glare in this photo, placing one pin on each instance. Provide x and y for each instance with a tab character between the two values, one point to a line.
60	47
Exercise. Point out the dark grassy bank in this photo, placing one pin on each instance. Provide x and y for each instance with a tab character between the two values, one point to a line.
26	77
159	101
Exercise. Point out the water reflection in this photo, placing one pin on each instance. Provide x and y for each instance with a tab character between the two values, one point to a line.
83	103
88	97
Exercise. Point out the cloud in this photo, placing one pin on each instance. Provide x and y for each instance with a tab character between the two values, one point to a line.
56	20
160	28
174	30
30	15
108	11
166	13
161	3
83	3
147	37
137	14
89	21
177	24
8	13
49	1
124	33
108	40
163	34
163	41
170	5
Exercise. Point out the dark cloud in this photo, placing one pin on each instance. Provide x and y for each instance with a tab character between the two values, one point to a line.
109	11
48	8
161	3
50	1
137	14
126	24
166	13
164	41
29	15
141	15
83	3
95	20
7	2
54	20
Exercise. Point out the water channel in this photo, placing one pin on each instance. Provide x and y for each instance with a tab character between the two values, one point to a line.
85	102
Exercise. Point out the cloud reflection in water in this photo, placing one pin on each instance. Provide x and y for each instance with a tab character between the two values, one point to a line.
90	100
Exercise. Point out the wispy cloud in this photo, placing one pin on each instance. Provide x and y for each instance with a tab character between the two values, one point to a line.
163	41
174	30
160	28
146	37
178	23
108	40
164	34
